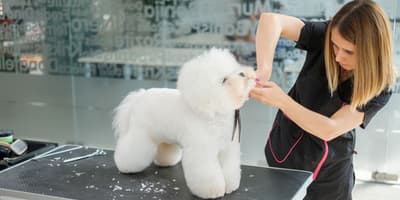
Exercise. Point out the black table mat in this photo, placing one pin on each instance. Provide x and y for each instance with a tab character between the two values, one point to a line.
98	178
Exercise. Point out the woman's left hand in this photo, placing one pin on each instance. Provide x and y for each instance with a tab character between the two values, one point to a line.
268	92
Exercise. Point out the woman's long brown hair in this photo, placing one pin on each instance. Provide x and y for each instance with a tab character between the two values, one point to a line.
366	25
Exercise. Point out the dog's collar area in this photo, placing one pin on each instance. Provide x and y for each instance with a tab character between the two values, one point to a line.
236	124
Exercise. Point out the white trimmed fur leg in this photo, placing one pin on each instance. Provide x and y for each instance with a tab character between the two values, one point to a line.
134	152
203	173
230	163
168	154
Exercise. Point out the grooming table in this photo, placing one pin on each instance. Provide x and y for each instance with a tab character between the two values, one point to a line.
98	178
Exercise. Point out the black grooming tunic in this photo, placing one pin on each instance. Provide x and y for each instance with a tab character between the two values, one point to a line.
289	146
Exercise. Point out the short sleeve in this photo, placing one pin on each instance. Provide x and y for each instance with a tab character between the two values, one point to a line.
373	106
312	36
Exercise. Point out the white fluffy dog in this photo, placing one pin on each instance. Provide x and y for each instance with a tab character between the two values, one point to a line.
194	123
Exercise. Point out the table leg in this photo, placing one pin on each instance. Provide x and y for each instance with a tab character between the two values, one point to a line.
139	72
88	70
127	71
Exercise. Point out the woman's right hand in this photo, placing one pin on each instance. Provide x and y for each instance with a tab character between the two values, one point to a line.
269	93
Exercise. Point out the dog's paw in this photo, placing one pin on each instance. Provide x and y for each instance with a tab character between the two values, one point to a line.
231	184
232	175
209	190
168	155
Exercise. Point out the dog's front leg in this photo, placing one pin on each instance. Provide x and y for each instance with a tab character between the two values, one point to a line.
202	170
230	163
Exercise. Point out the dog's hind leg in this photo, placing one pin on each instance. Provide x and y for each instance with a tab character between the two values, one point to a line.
168	154
134	152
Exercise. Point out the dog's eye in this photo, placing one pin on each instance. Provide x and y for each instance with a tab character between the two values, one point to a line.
224	80
242	74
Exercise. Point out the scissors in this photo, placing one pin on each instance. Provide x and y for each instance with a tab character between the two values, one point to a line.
98	152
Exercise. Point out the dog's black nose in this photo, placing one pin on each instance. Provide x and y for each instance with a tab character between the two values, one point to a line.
242	74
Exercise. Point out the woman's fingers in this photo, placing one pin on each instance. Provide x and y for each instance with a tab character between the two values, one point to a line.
268	92
257	93
265	83
256	90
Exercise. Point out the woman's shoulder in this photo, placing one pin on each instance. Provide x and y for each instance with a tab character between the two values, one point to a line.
373	106
379	100
312	35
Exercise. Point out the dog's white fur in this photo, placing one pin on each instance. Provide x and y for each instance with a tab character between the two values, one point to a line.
193	122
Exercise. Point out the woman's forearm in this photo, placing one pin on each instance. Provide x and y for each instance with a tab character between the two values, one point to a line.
270	28
326	128
318	125
267	36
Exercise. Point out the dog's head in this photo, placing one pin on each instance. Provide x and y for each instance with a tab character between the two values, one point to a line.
215	82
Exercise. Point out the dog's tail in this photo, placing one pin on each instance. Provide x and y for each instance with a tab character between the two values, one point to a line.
122	118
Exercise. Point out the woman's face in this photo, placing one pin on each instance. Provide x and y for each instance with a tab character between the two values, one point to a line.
345	51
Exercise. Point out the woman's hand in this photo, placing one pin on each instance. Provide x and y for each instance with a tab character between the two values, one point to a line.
268	92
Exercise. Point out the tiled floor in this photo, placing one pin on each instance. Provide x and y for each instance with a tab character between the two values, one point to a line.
375	191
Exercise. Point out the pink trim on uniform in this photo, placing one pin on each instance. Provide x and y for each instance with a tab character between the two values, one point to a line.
322	161
288	153
324	157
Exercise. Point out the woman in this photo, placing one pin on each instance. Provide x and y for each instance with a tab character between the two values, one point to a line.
345	80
